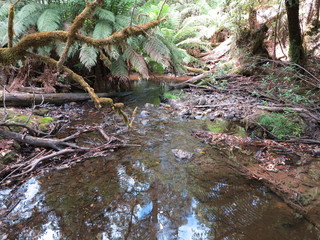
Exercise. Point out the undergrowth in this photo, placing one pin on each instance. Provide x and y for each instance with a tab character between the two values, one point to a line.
282	125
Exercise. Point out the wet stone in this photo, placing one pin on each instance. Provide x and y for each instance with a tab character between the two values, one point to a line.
181	155
144	114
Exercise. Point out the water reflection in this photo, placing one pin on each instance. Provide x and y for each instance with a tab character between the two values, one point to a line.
143	193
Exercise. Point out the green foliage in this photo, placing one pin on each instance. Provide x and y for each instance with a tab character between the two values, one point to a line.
282	126
175	94
119	68
49	20
283	84
88	56
137	61
102	29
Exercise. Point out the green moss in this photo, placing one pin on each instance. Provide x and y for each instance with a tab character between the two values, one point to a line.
175	94
225	126
282	126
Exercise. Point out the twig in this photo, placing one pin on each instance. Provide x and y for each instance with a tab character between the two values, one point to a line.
37	161
132	12
133	116
103	133
164	2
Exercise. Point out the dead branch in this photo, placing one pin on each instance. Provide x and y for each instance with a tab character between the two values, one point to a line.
56	144
35	162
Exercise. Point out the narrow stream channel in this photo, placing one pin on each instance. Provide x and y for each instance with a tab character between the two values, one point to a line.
145	193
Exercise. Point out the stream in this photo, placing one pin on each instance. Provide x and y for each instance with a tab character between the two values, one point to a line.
146	193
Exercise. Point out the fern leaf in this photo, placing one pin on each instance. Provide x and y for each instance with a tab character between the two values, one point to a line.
88	56
27	16
104	14
157	51
186	32
119	68
102	29
121	22
72	51
4	11
49	20
137	61
112	51
3	34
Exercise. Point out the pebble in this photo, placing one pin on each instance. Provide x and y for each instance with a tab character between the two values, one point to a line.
149	105
144	114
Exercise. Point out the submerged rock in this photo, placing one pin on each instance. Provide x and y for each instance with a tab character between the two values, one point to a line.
182	155
144	114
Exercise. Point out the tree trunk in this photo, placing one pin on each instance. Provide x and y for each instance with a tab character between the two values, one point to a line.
296	51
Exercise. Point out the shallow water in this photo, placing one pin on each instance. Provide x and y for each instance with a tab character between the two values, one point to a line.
145	193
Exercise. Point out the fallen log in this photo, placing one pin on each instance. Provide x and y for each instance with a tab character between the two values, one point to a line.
56	144
28	99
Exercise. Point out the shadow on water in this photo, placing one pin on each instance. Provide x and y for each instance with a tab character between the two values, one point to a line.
144	193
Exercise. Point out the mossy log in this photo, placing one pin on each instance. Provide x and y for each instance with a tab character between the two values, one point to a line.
27	99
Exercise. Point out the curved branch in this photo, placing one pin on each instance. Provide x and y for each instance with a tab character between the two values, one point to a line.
77	24
72	74
18	52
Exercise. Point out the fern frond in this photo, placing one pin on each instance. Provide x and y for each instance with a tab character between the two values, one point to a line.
185	32
4	11
136	42
121	22
49	20
72	51
119	68
27	16
102	29
88	56
137	61
104	14
3	34
157	51
45	51
201	20
194	42
112	51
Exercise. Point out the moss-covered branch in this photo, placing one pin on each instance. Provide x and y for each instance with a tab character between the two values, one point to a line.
77	24
17	52
10	26
72	74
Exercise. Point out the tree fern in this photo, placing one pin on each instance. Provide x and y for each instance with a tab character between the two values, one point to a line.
27	16
121	22
102	29
157	51
49	20
104	14
113	51
119	68
3	34
137	61
88	56
4	11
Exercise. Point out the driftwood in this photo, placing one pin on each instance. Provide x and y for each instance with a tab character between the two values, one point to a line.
28	99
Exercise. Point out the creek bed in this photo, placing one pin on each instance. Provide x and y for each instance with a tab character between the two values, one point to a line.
145	193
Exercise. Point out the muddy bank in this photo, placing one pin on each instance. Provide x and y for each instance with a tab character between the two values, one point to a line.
291	170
